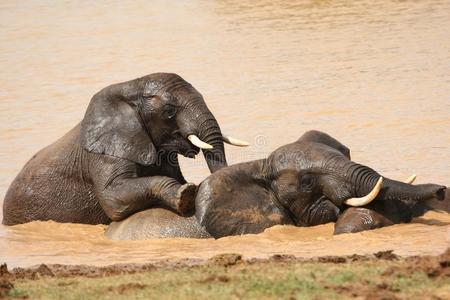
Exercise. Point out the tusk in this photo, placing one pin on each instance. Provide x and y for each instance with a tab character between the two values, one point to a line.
411	179
368	198
198	142
235	142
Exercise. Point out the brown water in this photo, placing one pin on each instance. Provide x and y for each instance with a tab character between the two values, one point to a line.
374	74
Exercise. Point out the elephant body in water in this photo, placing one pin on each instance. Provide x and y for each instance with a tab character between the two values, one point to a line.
122	157
156	223
309	182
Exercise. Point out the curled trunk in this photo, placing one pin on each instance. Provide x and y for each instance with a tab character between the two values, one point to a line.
363	180
210	133
411	193
196	119
208	130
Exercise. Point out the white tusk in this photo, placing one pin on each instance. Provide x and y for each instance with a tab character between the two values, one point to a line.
235	142
198	142
368	198
411	179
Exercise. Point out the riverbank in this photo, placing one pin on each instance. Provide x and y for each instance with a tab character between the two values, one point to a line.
382	275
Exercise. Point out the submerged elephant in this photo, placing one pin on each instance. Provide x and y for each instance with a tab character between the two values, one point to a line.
122	157
309	182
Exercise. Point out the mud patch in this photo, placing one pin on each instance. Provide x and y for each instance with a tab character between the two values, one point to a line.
357	257
332	259
5	286
58	270
124	288
42	271
69	283
215	278
433	266
387	255
282	258
382	275
5	281
380	292
225	260
4	270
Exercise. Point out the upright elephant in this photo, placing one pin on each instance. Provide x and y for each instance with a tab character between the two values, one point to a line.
309	182
122	157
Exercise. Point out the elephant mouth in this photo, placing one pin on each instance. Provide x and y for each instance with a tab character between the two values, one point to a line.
179	145
321	211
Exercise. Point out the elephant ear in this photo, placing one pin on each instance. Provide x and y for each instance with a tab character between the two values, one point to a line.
112	126
315	136
234	201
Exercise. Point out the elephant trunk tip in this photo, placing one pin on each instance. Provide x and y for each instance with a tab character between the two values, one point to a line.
430	191
439	193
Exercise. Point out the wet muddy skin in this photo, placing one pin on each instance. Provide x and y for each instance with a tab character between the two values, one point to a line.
373	76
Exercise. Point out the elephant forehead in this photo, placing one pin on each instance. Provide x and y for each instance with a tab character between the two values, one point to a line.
301	155
152	87
230	191
158	82
288	158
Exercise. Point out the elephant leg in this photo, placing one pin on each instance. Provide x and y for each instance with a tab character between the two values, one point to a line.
135	194
170	167
121	190
356	219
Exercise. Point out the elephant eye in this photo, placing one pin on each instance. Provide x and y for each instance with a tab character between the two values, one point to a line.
169	112
306	181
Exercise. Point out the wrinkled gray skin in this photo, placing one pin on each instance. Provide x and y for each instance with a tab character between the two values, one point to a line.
381	214
304	183
156	223
122	157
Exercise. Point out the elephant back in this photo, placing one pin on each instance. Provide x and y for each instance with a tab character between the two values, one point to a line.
155	223
234	201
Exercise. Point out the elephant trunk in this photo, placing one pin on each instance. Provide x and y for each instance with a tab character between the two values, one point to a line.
209	132
364	179
199	126
411	193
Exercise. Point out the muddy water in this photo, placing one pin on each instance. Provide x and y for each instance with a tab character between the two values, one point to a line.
374	74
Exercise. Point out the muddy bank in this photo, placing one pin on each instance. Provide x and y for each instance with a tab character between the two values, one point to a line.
435	268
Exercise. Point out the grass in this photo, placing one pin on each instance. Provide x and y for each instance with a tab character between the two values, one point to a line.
268	280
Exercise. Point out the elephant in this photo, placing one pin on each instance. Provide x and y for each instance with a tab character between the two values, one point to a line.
309	182
122	157
381	214
156	223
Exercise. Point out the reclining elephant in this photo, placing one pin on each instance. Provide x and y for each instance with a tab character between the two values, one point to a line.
309	182
122	157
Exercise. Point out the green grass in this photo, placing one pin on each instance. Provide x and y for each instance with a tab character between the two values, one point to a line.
268	280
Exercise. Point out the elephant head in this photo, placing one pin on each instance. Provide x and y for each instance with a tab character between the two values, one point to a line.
308	182
138	119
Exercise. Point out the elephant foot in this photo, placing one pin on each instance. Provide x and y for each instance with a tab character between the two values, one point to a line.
185	204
